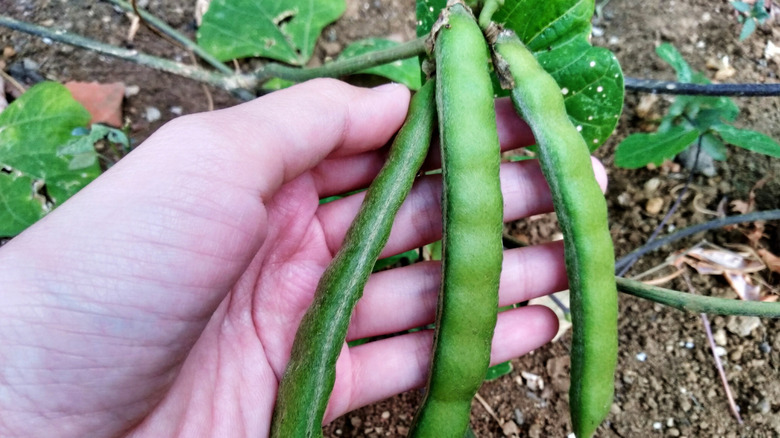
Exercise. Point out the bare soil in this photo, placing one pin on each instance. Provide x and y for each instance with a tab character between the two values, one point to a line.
666	383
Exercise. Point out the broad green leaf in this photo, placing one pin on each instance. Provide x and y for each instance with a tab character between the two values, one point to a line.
747	29
590	78
275	84
33	129
750	140
714	147
283	30
669	53
427	13
498	370
20	205
405	258
741	6
639	150
404	71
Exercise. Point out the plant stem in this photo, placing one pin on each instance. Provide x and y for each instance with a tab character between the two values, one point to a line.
698	303
342	67
489	7
235	83
685	232
176	35
240	83
667	87
232	83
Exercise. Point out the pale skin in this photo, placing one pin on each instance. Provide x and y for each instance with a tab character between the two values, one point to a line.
162	300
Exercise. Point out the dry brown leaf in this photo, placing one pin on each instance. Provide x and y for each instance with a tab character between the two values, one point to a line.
103	101
755	234
772	261
743	286
725	260
740	206
201	6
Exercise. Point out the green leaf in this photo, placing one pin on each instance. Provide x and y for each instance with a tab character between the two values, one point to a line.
639	150
20	205
427	13
750	140
558	32
747	29
275	84
33	131
714	147
669	53
406	258
283	30
498	370
405	71
741	7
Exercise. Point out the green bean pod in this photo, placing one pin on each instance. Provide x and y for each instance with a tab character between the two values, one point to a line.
582	214
311	372
472	209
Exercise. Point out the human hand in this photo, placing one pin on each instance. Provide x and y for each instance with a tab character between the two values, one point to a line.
163	298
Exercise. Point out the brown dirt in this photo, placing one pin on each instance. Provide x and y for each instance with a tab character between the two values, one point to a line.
675	391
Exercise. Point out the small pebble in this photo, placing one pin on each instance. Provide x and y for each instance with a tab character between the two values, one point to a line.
657	425
641	357
720	337
764	406
720	351
132	90
532	381
152	114
519	417
689	345
765	347
385	415
651	186
177	110
654	205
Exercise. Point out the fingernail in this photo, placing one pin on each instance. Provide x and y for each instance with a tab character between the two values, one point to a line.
385	88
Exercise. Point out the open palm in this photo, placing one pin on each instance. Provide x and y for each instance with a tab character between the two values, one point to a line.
162	300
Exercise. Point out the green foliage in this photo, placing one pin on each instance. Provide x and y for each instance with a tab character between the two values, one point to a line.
286	31
404	71
558	32
43	159
688	118
750	16
405	258
427	13
498	370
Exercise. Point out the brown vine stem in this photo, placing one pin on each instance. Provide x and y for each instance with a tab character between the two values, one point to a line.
177	36
233	83
244	85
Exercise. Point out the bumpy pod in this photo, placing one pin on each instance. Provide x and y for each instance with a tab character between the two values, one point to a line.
582	214
310	375
472	210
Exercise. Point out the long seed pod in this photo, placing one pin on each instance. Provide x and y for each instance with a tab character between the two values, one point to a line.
311	373
582	213
472	210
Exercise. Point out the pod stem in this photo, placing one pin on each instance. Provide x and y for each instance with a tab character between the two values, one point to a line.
698	303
